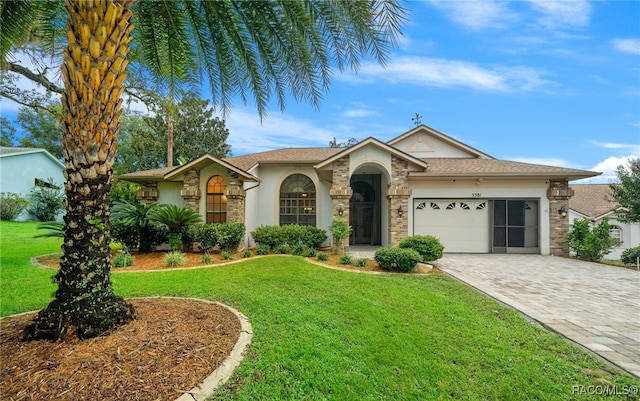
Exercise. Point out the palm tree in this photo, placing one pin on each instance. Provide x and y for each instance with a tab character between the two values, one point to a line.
267	47
135	215
176	218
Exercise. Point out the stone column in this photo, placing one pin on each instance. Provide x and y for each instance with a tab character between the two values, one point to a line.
558	194
341	191
398	195
148	194
191	190
236	195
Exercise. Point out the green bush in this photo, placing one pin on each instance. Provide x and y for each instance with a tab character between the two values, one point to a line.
590	243
46	201
122	259
263	250
309	253
281	249
289	234
400	259
11	205
323	256
630	255
127	235
298	249
174	259
226	236
428	246
247	254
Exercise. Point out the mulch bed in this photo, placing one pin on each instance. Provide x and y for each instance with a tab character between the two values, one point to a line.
172	346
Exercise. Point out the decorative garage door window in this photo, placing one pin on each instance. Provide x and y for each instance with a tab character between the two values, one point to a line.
298	201
216	200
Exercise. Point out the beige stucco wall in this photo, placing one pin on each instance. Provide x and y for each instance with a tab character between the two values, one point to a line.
422	145
169	192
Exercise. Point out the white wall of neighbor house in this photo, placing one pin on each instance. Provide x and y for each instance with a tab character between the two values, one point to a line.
487	189
14	177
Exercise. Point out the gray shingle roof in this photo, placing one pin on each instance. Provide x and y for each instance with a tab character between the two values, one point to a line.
592	200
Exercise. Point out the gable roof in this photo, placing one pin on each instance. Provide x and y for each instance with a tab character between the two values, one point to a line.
283	156
470	167
443	138
373	142
203	161
592	200
6	151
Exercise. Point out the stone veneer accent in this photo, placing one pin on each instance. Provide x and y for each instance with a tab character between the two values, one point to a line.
398	195
341	191
235	198
148	194
191	190
558	194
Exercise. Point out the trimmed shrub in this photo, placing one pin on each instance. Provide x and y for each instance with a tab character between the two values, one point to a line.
630	255
11	205
289	234
230	235
428	246
399	259
206	236
263	250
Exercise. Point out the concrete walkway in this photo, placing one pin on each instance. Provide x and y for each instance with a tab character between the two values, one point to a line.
594	305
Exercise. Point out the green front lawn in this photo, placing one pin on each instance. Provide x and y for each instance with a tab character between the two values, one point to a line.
335	335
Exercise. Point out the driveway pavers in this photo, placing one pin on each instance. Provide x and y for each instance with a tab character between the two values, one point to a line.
594	305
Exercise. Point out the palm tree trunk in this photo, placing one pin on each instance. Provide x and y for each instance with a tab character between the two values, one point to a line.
93	71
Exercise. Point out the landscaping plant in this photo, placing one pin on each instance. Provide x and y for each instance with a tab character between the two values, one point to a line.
340	230
428	246
591	243
11	205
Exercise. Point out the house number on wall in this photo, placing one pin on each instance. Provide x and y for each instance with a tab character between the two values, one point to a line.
476	195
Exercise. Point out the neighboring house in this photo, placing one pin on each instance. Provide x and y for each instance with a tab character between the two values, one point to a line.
594	202
23	168
422	182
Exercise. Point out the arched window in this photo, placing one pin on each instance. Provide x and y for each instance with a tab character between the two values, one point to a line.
616	233
298	201
216	200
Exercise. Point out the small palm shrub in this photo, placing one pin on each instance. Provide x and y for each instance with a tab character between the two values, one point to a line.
428	246
630	255
174	259
399	259
309	253
247	254
281	249
297	249
346	259
323	256
122	259
226	255
206	258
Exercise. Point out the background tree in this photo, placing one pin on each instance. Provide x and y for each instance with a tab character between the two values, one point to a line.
41	127
627	192
239	47
7	133
141	147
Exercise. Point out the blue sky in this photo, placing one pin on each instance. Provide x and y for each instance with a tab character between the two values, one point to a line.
546	82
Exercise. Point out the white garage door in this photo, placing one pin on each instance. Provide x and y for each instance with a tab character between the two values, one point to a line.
461	225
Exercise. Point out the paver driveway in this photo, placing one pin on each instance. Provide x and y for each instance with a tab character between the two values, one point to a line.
594	305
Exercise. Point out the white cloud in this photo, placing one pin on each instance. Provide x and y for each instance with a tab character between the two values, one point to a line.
358	113
608	169
452	73
249	135
631	46
562	14
625	147
476	15
543	161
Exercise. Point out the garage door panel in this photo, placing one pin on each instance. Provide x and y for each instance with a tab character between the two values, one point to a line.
461	225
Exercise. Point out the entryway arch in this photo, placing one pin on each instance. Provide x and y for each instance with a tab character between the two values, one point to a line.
368	205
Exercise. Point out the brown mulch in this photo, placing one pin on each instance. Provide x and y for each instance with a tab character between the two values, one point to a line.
172	346
154	261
